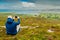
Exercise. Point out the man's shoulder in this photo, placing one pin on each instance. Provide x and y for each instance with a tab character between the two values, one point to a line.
14	22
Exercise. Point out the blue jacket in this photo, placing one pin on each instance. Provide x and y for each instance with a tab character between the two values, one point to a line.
11	26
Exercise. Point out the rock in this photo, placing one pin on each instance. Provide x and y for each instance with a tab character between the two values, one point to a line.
50	30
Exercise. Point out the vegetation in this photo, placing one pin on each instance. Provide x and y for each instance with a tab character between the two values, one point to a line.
50	15
37	29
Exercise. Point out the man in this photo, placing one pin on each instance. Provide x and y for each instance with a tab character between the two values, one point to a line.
11	26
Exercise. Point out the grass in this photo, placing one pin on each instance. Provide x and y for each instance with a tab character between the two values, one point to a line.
38	33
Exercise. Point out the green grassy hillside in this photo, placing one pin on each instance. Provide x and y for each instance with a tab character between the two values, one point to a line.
37	29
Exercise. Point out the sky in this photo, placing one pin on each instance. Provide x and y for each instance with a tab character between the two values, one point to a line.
30	6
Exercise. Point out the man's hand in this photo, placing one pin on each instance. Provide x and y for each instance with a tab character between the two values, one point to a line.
18	17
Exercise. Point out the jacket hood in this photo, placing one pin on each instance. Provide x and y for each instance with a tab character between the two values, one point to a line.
9	20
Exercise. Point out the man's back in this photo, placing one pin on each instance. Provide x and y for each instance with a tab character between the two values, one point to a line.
11	26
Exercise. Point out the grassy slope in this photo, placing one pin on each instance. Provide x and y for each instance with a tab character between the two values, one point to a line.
39	33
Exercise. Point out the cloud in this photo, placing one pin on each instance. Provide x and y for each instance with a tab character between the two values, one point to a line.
28	4
23	7
28	7
18	6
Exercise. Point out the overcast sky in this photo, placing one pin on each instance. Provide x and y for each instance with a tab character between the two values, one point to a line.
29	6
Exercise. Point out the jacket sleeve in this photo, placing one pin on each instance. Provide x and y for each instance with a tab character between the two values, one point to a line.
17	23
